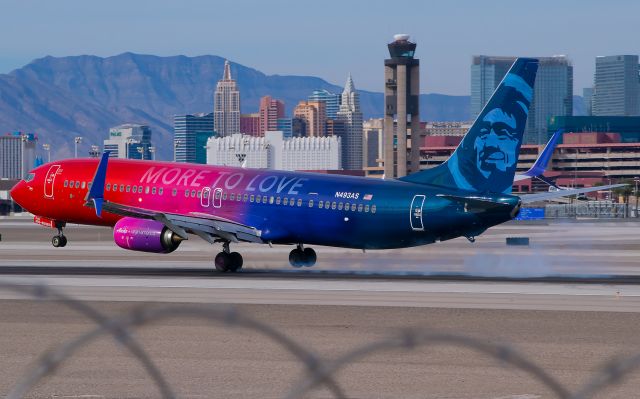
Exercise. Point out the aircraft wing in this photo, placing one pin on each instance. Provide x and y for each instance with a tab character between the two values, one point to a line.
527	198
206	226
541	163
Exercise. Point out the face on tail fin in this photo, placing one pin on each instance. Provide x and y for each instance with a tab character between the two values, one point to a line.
486	159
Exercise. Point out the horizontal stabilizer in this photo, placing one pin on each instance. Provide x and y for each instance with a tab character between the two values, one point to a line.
528	198
475	203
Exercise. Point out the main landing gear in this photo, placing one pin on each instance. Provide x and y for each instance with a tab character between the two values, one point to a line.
302	256
59	240
227	261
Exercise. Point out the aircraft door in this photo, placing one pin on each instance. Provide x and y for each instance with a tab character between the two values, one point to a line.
49	179
205	199
217	198
416	212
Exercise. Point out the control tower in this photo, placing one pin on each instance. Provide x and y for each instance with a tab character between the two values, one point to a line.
401	98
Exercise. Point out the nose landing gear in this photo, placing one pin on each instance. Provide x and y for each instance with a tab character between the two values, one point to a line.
227	261
302	256
59	241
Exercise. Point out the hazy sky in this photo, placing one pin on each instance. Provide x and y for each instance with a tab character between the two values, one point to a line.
325	38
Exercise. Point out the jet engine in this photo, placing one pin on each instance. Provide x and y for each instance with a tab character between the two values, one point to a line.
145	235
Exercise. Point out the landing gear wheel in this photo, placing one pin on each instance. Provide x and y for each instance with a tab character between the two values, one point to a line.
236	261
296	258
59	241
310	257
223	262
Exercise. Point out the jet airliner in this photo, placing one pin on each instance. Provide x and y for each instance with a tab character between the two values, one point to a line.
154	206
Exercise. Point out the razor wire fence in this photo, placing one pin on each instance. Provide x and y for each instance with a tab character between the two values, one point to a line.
318	371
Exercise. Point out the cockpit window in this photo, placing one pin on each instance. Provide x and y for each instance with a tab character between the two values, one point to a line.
30	177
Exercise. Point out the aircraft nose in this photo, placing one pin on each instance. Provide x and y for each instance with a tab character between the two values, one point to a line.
18	193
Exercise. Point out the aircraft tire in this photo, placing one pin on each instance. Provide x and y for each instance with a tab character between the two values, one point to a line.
56	241
63	242
296	258
223	262
310	257
236	261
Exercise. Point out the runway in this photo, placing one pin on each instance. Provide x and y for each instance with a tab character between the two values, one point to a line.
555	301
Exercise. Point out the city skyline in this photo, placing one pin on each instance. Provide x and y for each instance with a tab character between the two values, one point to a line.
446	48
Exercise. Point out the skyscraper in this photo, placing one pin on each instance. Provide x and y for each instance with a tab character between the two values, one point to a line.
17	155
351	116
190	136
130	141
314	115
226	105
553	91
332	101
616	89
270	111
401	98
250	124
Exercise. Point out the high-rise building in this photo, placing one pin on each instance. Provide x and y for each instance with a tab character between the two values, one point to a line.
250	124
274	151
270	111
331	100
187	137
373	149
616	90
587	98
285	125
351	116
298	127
402	96
553	91
226	105
314	114
130	141
17	155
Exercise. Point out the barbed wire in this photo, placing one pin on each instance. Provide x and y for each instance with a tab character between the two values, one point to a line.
319	372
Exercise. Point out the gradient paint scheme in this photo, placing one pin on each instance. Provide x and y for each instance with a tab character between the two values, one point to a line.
389	227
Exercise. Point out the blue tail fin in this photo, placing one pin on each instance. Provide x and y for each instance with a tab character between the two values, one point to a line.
486	159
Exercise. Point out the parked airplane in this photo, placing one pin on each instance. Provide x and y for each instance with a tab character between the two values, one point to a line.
540	165
154	206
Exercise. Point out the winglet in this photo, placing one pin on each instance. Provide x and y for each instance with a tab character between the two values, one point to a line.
541	163
96	192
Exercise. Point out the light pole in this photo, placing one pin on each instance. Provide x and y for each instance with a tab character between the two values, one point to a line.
23	140
152	151
47	148
77	141
141	151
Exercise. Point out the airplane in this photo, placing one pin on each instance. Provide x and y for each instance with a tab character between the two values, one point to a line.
540	165
153	206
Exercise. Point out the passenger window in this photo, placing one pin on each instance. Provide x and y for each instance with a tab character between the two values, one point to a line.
199	194
232	197
66	183
135	189
277	200
174	192
115	188
346	207
128	188
140	189
285	201
310	203
238	198
265	199
340	206
333	205
320	204
253	197
292	202
271	199
244	197
153	191
193	193
77	184
109	187
373	209
366	209
360	208
146	190
83	185
186	193
224	196
353	207
258	198
122	188
160	190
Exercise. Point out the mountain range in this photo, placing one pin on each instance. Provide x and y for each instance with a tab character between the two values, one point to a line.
59	98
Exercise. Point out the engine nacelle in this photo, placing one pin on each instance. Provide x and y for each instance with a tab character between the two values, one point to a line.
145	235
